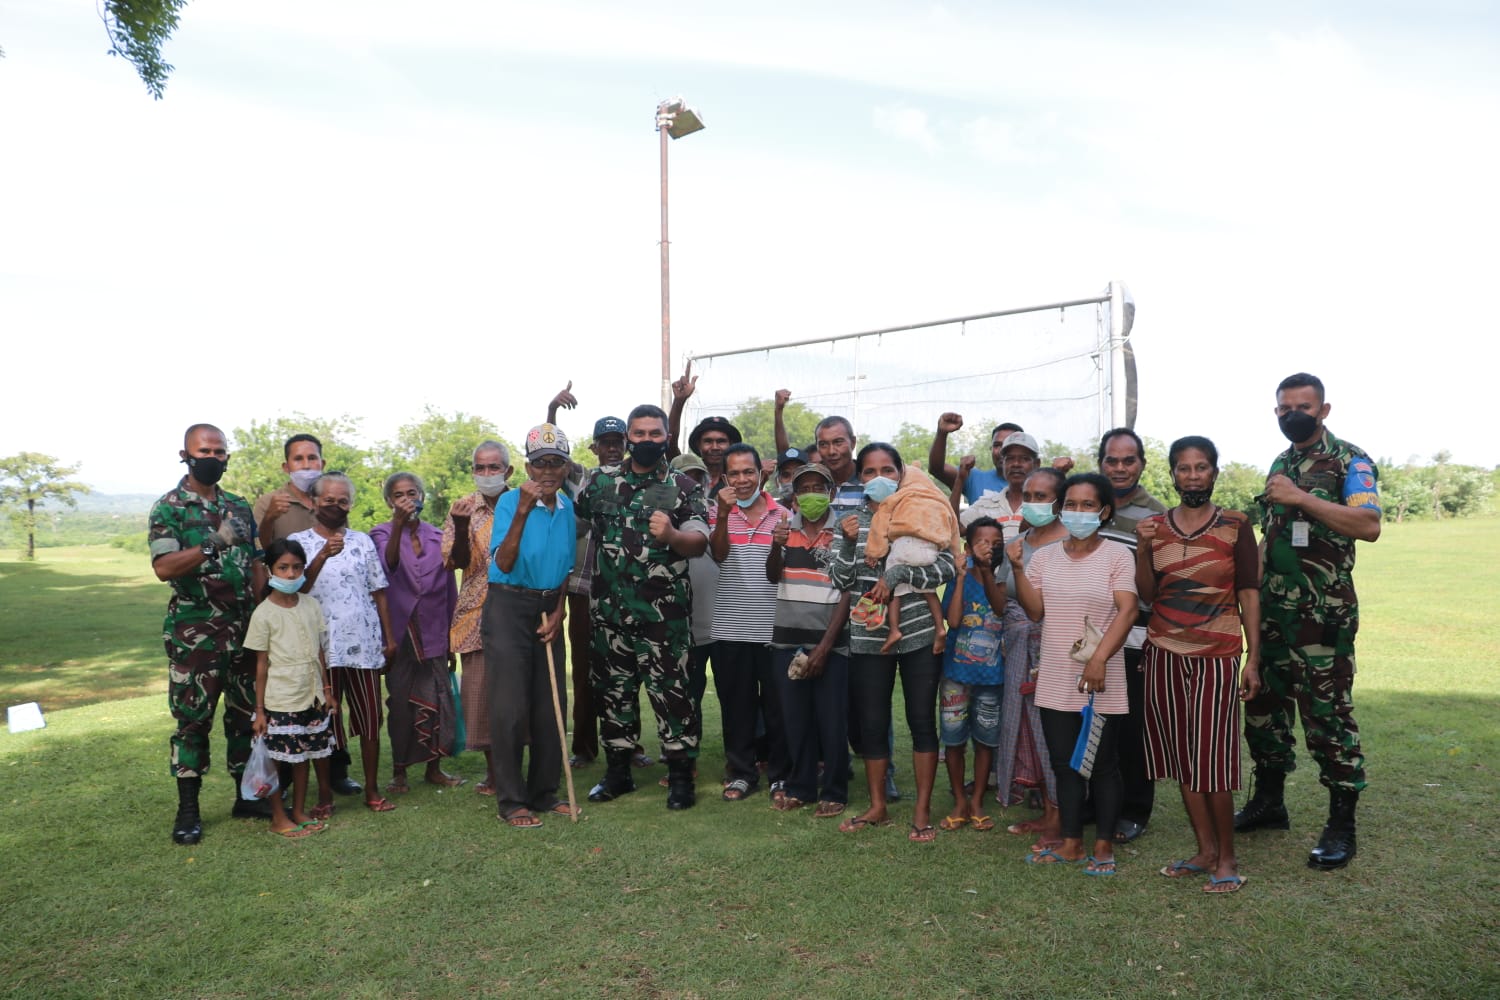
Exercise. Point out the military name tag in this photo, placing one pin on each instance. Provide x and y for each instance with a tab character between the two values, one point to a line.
1299	534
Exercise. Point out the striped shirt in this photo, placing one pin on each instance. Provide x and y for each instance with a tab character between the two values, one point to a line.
745	605
847	498
1198	579
1072	589
806	597
850	573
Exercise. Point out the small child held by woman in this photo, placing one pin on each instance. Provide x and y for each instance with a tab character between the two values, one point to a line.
293	696
913	524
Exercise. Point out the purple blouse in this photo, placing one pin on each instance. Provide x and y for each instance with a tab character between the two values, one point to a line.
422	595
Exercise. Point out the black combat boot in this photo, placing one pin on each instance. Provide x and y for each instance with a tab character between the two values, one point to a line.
1266	809
617	780
187	828
1336	847
338	774
680	791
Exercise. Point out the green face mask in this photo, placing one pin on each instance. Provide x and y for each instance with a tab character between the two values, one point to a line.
813	505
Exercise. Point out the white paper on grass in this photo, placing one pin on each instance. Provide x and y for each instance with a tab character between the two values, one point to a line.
24	718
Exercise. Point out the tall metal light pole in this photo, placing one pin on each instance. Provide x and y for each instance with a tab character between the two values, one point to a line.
675	119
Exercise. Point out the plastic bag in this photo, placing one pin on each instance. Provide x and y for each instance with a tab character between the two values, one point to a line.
1089	735
260	779
460	736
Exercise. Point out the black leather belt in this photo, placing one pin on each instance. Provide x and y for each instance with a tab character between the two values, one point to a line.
546	595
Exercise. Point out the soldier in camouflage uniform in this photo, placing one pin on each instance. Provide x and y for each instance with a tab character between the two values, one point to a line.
202	541
648	521
1321	496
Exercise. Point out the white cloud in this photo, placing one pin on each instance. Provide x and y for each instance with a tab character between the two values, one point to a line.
907	124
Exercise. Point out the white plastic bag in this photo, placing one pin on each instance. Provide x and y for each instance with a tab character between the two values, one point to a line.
260	779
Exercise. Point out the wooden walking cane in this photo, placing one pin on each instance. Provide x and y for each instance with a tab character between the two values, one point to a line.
562	730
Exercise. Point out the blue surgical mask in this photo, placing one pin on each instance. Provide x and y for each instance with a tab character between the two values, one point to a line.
1080	523
747	503
286	586
880	488
1038	515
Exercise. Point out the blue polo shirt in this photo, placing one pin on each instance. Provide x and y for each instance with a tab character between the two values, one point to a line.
547	543
983	479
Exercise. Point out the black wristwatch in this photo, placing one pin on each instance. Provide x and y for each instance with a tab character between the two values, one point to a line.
208	550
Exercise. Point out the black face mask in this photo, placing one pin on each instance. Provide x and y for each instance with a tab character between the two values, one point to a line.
333	518
1194	498
206	469
647	453
1298	426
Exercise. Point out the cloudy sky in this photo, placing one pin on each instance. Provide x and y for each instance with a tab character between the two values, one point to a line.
367	207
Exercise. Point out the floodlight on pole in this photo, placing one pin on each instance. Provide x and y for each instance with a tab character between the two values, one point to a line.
675	119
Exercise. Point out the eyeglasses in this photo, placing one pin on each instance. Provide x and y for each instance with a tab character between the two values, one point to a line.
551	464
489	470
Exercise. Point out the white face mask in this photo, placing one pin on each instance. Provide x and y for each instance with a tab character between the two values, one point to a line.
490	486
304	478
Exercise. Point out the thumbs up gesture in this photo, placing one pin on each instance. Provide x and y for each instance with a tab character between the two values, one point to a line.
783	529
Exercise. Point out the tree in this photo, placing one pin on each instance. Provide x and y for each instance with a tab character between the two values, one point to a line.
137	30
440	449
31	480
756	420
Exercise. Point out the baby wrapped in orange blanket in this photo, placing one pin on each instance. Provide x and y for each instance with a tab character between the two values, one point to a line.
910	527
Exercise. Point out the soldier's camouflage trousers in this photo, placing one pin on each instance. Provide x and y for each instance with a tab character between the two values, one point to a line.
623	656
196	677
1308	665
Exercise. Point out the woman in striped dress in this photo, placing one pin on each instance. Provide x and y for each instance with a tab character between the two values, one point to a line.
1198	567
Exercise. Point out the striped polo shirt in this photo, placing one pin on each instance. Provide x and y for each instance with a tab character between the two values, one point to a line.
806	597
745	605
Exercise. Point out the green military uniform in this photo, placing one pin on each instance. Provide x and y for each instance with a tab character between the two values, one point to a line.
1309	619
204	630
640	606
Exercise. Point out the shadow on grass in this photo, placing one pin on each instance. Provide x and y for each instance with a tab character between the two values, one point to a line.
69	639
439	899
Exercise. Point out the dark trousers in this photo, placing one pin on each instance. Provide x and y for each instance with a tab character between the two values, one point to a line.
815	713
521	700
742	680
585	717
698	660
1139	793
872	680
1061	730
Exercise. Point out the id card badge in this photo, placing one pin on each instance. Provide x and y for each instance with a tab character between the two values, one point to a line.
1299	534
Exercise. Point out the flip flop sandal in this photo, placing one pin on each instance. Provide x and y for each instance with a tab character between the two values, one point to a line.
1035	858
982	823
397	788
521	819
736	790
565	809
860	613
321	812
1182	869
484	788
951	823
921	834
828	810
1097	868
314	826
859	823
1233	882
451	781
379	805
295	833
787	803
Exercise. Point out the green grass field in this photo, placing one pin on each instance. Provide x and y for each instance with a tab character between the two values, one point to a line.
438	899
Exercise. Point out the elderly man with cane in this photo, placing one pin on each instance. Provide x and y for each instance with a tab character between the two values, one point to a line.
532	544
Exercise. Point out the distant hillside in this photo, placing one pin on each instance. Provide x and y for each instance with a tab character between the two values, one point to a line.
116	503
99	519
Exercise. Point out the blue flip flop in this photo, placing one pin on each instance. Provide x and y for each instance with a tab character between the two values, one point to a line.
1100	872
1182	869
1035	857
1233	881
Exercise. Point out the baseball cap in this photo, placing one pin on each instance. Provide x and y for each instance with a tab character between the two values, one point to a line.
682	463
791	455
713	424
1022	439
817	468
546	439
608	425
